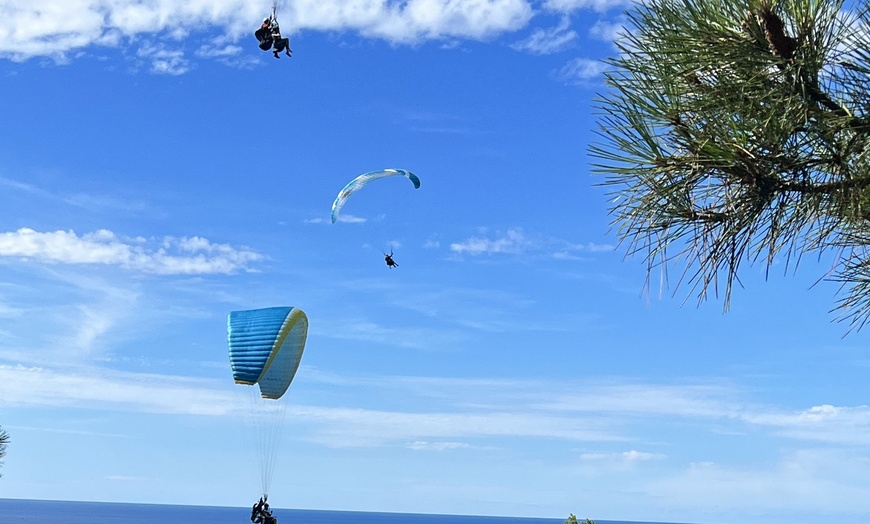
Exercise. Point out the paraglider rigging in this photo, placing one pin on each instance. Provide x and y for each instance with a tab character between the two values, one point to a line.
265	349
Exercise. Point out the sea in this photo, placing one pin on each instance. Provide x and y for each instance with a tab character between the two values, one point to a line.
15	511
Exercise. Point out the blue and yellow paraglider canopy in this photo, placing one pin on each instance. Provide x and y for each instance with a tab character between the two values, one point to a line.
265	347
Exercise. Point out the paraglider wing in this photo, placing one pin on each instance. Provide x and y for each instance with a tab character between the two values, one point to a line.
365	179
265	347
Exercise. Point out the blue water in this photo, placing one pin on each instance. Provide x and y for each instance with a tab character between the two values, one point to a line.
13	511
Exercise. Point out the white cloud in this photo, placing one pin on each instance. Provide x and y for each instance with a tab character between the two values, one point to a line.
345	427
500	408
581	71
799	481
103	389
86	201
515	241
476	309
23	186
625	457
187	256
51	28
599	248
422	445
825	423
92	388
404	337
349	219
163	60
697	401
548	41
413	21
608	31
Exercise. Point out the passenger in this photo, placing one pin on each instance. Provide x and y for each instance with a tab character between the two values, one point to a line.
279	43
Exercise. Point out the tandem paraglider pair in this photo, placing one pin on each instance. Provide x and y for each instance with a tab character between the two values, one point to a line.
269	36
261	514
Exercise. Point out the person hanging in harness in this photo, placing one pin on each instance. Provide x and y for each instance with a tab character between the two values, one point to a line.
389	260
264	34
279	43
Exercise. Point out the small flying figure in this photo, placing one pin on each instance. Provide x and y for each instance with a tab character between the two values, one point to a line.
389	260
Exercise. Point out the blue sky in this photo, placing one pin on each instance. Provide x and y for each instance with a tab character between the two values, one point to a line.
157	171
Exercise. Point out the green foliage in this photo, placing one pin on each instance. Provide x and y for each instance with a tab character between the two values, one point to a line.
739	131
572	519
4	441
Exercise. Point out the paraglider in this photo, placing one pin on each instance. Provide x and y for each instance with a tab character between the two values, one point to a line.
265	349
363	180
269	35
389	260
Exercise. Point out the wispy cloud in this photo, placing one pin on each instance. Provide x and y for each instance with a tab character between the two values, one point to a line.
228	54
385	336
482	310
91	202
100	388
458	409
548	41
23	186
796	482
515	241
607	31
416	20
622	459
349	219
825	423
512	241
169	256
344	427
422	445
344	218
581	71
163	59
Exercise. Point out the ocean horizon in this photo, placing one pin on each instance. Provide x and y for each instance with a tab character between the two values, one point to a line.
32	511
